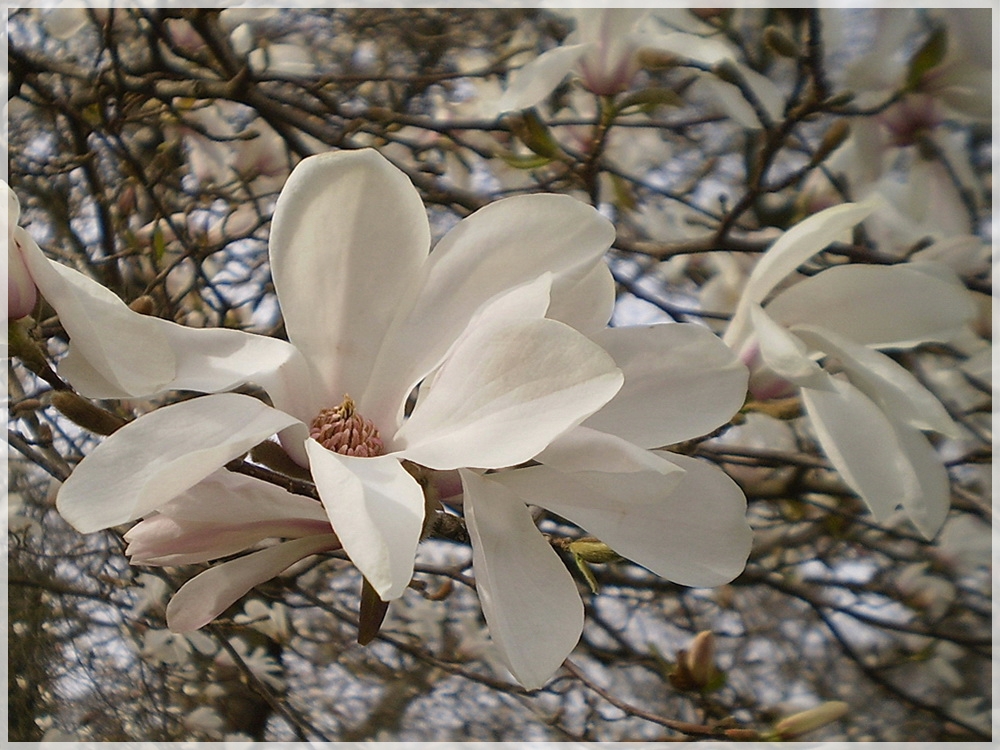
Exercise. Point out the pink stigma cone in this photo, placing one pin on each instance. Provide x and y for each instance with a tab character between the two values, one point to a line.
344	431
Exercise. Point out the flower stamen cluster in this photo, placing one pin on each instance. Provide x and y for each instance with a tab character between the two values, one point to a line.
344	431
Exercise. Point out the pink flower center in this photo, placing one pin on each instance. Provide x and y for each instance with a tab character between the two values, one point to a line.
344	431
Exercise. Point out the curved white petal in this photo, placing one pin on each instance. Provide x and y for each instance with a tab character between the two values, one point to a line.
927	507
348	238
681	382
790	251
160	455
377	511
164	540
124	347
783	353
209	594
22	294
864	446
212	360
880	306
728	98
584	303
221	515
506	391
586	449
227	497
693	532
690	46
529	598
531	83
498	248
882	379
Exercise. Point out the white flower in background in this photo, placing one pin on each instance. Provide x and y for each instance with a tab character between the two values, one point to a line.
150	593
17	523
167	647
269	619
868	419
263	56
605	51
264	667
223	147
204	719
908	154
370	314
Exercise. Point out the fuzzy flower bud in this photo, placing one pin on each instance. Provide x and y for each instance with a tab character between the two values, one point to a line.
804	722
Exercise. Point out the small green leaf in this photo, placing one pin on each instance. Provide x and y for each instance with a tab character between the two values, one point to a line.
525	162
587	573
535	134
649	99
159	244
929	56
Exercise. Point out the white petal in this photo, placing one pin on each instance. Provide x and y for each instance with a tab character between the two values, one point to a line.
790	251
213	360
501	247
124	347
882	379
690	46
863	445
681	382
783	353
377	511
221	515
694	533
507	390
160	455
584	304
728	98
530	84
927	507
209	594
22	294
881	306
529	598
348	238
586	449
226	497
162	540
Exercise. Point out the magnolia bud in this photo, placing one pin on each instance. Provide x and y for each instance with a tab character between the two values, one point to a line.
591	550
806	721
780	42
835	135
534	133
144	305
701	659
727	71
695	668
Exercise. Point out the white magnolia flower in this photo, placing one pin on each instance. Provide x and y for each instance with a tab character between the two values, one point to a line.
605	51
869	420
370	315
680	517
